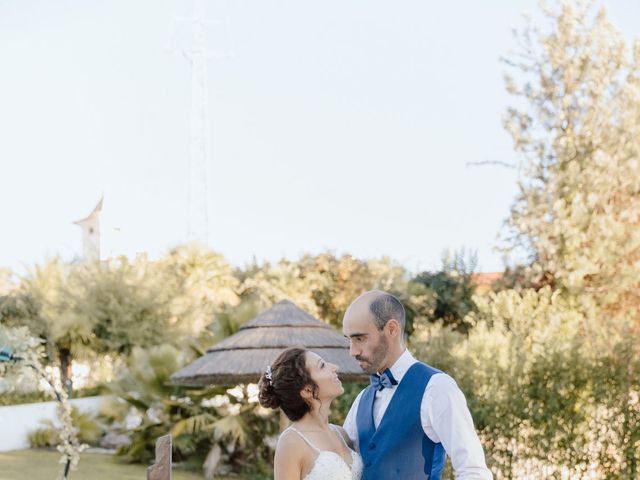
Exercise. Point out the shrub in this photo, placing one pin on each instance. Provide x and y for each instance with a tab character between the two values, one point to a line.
88	429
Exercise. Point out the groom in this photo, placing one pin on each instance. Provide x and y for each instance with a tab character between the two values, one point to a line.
412	414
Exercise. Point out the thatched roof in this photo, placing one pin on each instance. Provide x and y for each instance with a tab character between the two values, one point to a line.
243	357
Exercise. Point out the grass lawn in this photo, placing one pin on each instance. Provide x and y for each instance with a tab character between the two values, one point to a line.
43	465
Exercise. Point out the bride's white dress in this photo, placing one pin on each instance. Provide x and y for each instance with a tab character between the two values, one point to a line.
330	465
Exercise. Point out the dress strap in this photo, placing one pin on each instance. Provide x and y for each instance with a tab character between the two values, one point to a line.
304	438
339	433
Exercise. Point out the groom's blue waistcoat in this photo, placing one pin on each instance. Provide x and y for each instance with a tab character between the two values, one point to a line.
399	448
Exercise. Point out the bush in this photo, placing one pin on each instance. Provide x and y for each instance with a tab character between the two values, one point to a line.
546	395
19	398
215	429
453	289
47	436
88	429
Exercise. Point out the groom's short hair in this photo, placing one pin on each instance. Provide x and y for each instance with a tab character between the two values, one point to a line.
385	307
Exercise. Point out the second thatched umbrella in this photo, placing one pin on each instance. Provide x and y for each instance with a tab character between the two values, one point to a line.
243	357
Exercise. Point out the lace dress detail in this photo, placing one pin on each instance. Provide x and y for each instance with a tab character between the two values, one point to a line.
330	465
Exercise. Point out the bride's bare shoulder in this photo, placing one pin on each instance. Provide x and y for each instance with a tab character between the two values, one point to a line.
289	439
289	458
292	445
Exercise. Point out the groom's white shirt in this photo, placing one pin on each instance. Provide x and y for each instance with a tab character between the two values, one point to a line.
444	416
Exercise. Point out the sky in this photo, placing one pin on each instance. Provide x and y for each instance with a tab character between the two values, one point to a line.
339	125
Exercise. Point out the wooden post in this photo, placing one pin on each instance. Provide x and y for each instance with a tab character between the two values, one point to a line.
161	469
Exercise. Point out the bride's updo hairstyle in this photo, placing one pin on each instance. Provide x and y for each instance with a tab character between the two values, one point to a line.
281	384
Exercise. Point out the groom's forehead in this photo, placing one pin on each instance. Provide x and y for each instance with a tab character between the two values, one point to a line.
357	326
358	313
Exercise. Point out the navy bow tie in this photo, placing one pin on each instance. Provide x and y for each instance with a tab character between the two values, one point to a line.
383	381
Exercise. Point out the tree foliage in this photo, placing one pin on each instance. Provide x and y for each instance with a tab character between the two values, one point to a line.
110	307
22	355
551	372
578	128
527	374
216	429
453	288
326	284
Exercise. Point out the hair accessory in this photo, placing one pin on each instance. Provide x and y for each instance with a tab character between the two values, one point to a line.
268	374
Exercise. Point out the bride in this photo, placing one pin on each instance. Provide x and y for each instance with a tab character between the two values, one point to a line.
303	385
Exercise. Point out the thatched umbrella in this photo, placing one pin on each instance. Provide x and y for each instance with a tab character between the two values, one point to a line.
243	357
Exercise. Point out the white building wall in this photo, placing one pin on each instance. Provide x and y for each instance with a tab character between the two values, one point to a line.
17	421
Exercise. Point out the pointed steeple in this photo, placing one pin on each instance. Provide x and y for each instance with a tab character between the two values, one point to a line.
91	233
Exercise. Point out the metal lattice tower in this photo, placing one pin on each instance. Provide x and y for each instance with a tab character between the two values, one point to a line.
198	164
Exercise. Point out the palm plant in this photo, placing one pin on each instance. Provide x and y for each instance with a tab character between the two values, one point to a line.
210	427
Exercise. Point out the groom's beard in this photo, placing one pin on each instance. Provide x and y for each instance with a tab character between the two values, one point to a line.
373	362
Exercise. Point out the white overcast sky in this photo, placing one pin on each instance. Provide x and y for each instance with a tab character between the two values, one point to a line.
337	125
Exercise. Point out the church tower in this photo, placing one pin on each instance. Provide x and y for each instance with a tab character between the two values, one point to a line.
91	233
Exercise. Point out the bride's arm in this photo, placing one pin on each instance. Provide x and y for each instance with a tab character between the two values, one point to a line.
288	460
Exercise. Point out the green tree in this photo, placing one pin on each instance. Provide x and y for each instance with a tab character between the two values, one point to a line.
110	307
577	126
452	288
213	428
269	283
340	280
45	301
7	281
203	283
528	374
578	213
553	371
127	304
326	284
20	355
